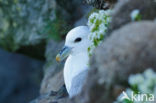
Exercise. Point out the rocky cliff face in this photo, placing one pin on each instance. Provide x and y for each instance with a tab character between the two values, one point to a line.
130	48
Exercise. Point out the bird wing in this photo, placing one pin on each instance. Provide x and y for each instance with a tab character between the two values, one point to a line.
77	83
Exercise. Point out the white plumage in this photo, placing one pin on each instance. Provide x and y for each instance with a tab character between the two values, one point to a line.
76	65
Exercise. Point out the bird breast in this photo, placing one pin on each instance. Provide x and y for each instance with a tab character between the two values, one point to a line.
74	65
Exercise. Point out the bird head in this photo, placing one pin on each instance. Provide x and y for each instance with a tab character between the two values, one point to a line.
77	41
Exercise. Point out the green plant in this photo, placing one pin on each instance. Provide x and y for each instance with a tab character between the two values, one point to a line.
98	23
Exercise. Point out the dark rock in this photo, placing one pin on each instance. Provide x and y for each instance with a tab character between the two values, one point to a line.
84	19
35	51
123	9
20	77
52	97
101	4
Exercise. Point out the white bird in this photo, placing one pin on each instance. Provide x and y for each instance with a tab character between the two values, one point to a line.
76	65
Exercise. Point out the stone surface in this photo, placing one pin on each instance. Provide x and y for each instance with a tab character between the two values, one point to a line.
52	97
101	4
123	8
19	77
53	71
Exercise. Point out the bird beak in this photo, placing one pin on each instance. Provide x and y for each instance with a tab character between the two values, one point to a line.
63	53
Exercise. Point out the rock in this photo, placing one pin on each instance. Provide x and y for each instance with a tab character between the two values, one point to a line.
131	45
83	20
52	97
123	9
101	4
20	77
28	22
128	50
53	71
52	82
35	51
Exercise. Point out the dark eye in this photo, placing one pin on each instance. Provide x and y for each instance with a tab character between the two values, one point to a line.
77	40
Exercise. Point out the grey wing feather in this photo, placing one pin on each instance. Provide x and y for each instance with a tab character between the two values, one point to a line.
77	83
